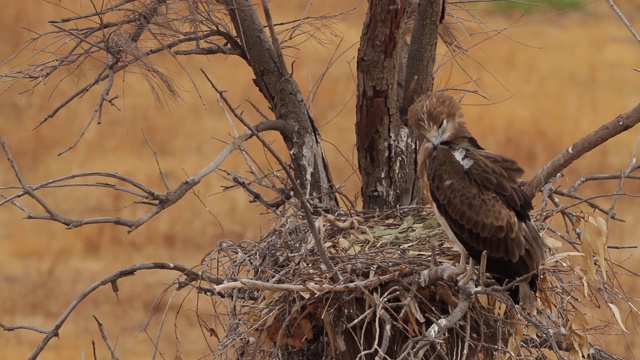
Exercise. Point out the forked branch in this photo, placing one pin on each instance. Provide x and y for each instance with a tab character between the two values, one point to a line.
158	201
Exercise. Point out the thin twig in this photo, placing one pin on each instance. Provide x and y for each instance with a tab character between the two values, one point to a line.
105	338
155	157
624	20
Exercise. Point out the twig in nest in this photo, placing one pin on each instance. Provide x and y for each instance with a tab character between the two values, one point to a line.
304	288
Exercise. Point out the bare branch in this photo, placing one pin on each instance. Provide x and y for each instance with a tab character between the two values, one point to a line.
159	201
297	190
607	131
129	271
23	327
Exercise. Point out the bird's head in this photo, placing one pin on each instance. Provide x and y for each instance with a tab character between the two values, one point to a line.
437	118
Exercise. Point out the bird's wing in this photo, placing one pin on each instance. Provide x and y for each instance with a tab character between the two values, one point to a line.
482	205
500	175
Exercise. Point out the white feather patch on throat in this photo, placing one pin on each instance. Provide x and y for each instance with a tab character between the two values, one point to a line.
460	155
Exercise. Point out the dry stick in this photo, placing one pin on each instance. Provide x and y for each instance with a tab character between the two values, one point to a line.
296	187
22	182
306	288
96	13
161	325
588	201
599	177
155	157
53	183
93	348
106	340
188	184
272	33
438	328
633	166
607	131
6	327
624	20
97	111
190	274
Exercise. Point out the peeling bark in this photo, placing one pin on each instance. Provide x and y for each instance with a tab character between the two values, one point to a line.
287	103
386	149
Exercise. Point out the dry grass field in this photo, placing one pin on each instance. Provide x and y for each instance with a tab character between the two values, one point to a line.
552	78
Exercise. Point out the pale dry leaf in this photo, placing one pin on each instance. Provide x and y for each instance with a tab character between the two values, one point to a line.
354	249
381	231
594	239
499	309
579	337
574	354
551	242
408	222
579	322
344	243
587	260
415	310
558	257
483	300
581	343
268	295
616	314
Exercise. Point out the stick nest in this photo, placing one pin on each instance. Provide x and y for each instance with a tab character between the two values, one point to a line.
275	299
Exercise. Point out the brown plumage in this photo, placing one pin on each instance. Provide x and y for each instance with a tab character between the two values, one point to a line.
475	194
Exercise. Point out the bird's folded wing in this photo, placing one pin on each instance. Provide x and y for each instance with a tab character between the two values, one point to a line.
480	203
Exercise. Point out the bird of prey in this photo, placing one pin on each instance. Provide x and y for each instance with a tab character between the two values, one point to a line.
475	196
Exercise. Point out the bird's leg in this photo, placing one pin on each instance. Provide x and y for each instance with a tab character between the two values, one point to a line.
462	264
482	270
462	273
467	275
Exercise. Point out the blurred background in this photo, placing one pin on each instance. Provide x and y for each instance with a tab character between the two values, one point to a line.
560	70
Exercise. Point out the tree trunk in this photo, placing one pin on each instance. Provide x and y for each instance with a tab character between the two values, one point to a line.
386	149
287	103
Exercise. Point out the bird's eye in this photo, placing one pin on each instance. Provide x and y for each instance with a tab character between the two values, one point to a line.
443	124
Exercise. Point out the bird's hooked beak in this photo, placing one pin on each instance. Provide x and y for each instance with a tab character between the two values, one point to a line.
436	135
